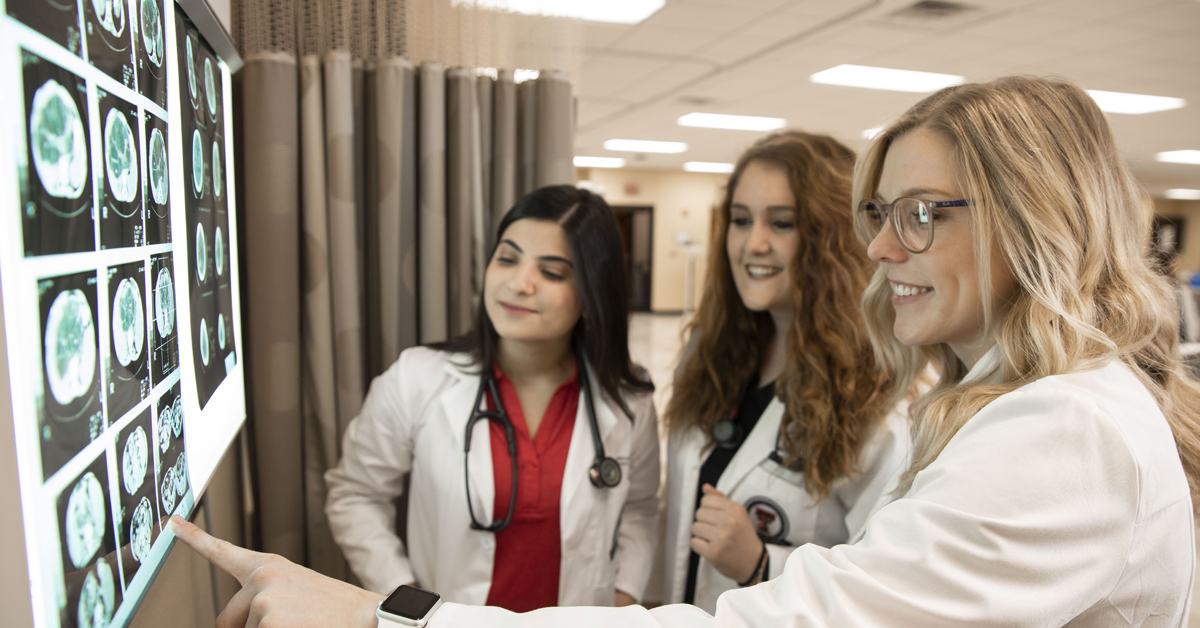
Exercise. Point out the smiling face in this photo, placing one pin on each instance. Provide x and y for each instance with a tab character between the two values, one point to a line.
762	238
529	287
936	294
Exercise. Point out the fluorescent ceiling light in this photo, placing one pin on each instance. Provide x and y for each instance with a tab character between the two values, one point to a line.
885	78
872	132
520	76
737	123
708	166
1183	194
1180	156
644	146
1118	102
599	162
615	11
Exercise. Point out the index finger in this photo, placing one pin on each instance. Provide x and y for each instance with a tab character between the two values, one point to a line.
236	561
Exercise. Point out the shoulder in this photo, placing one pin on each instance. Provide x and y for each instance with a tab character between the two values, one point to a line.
422	371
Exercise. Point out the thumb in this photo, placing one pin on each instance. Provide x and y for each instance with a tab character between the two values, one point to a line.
709	489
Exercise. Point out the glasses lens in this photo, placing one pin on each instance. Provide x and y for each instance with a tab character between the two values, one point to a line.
870	219
916	224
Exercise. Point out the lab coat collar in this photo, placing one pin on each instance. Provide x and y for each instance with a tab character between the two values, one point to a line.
985	367
759	444
456	402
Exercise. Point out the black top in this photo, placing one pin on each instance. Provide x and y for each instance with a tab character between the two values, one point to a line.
751	408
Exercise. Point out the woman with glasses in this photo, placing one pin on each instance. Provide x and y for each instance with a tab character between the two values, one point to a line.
1055	464
570	518
783	427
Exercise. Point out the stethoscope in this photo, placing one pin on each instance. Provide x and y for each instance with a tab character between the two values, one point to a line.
605	472
728	433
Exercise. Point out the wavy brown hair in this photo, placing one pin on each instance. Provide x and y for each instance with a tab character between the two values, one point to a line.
832	387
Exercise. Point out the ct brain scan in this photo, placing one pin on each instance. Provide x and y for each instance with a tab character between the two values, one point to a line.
139	530
217	170
111	14
120	157
70	345
191	68
197	163
204	341
181	482
164	429
96	597
158	167
177	419
135	460
164	303
86	518
152	32
221	331
58	143
219	251
128	323
201	255
210	87
167	491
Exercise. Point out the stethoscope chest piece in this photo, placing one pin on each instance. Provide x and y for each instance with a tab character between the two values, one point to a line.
727	433
606	473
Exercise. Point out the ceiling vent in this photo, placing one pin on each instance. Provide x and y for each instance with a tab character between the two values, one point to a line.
940	12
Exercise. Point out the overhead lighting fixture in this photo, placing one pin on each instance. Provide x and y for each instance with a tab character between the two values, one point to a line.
1118	102
736	123
872	132
1180	156
614	11
708	166
599	162
885	78
520	76
645	146
1183	194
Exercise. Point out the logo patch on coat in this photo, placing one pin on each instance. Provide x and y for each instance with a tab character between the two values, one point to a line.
768	518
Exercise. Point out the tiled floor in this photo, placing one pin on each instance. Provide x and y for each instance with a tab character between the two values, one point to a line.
654	342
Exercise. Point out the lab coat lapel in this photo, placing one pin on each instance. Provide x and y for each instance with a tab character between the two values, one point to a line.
757	447
582	453
456	403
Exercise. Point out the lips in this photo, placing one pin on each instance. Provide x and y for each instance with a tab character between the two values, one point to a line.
908	290
761	271
515	310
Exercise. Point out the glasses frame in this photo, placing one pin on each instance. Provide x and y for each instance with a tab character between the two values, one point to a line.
897	227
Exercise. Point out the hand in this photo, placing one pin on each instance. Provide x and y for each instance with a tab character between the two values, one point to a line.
278	593
724	536
623	599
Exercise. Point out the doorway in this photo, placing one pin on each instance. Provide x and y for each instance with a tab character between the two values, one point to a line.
636	224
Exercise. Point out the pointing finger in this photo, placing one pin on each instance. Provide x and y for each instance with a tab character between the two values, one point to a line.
235	561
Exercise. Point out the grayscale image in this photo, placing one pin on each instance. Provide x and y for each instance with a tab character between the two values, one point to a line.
135	460
164	345
197	164
135	456
218	170
87	518
204	341
150	37
86	529
219	252
156	186
210	88
168	428
190	63
139	530
70	416
121	223
53	171
109	43
153	40
221	331
56	19
201	255
128	373
97	597
157	168
120	156
164	303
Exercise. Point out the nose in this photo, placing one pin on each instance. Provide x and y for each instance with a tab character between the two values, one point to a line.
759	242
886	247
523	278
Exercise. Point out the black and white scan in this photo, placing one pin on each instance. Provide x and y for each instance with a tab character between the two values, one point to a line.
138	506
109	39
128	377
150	39
121	222
164	344
56	19
171	472
91	575
53	171
156	182
71	415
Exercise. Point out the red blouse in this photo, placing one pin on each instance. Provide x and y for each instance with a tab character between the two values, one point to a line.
529	551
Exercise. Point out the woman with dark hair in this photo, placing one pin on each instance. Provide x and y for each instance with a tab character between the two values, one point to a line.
784	428
531	441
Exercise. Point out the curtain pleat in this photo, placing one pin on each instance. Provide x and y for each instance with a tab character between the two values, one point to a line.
463	198
376	241
504	146
434	280
555	133
484	86
527	140
409	330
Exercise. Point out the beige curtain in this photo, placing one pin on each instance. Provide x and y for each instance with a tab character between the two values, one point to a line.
373	185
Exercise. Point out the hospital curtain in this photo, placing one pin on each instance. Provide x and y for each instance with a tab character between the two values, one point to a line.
371	185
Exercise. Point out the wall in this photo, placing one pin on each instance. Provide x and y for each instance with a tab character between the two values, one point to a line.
1190	211
682	203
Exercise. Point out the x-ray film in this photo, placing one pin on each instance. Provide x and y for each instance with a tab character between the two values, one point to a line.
53	171
56	19
164	344
128	377
150	39
90	573
121	222
138	512
109	38
156	190
172	477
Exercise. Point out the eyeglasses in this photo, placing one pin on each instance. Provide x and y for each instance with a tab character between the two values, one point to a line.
912	220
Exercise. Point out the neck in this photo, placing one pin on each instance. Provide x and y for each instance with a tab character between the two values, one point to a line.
541	359
776	357
970	354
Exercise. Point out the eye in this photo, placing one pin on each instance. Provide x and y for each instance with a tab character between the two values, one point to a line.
553	275
505	259
741	221
783	225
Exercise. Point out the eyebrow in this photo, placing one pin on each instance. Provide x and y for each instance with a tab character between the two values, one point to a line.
769	207
919	191
544	258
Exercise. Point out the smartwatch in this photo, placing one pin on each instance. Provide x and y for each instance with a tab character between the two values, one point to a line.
407	606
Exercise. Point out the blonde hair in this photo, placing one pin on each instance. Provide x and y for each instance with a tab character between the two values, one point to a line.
1051	193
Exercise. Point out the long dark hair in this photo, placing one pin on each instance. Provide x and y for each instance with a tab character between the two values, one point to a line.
602	333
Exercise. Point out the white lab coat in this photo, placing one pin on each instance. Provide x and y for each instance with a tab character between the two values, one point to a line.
413	421
774	496
1061	503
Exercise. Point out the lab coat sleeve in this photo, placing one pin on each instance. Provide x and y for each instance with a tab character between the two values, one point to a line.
638	535
376	454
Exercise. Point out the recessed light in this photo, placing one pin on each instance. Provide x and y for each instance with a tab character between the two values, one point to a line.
737	123
1118	102
708	166
1180	156
1183	194
520	76
872	132
615	11
885	78
645	146
599	162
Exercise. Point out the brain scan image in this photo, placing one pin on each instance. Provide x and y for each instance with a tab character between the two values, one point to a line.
135	460
177	419
139	530
219	251
57	140
201	255
164	303
181	480
164	429
96	597
158	167
120	157
197	163
204	341
221	331
191	68
86	518
70	345
210	87
128	322
217	170
152	32
167	491
111	14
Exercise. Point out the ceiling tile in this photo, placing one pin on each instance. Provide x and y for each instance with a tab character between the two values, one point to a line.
664	39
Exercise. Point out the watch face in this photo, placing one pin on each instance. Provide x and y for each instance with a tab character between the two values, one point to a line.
409	602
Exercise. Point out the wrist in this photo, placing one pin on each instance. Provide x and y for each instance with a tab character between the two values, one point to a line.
759	566
365	616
